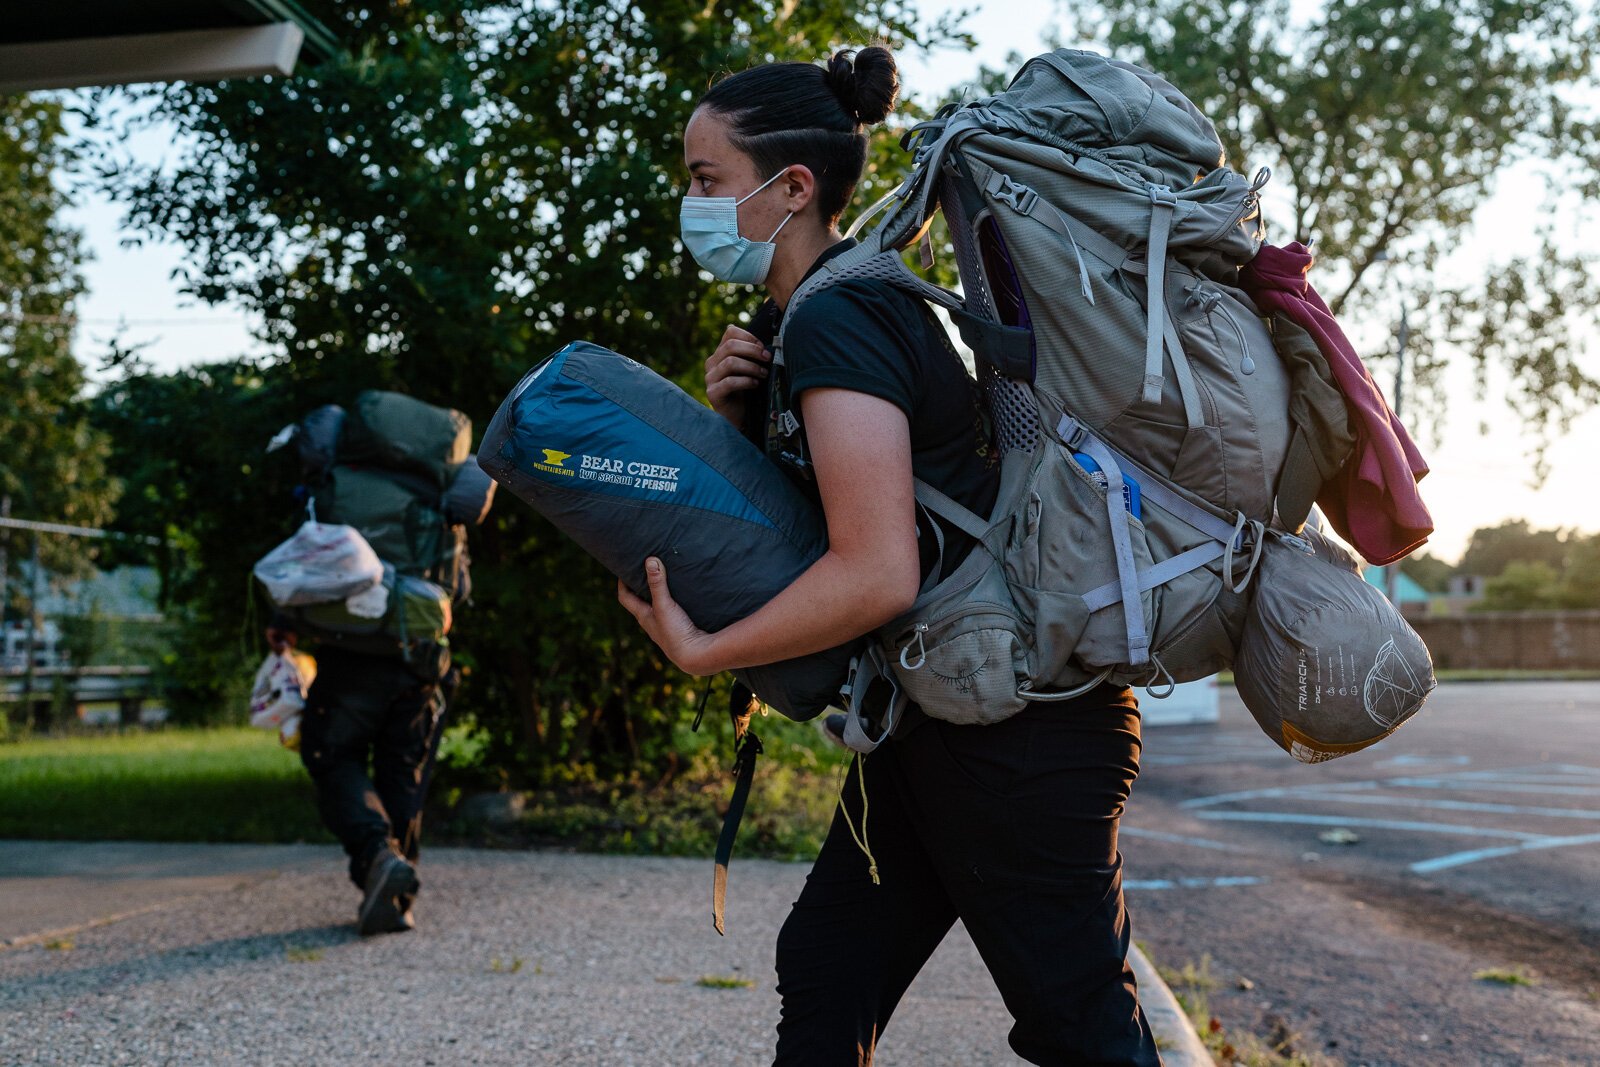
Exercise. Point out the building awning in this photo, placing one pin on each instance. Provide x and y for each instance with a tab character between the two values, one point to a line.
68	44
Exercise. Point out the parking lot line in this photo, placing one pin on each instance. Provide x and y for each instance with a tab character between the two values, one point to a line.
1191	883
1454	805
1460	859
1294	818
1182	839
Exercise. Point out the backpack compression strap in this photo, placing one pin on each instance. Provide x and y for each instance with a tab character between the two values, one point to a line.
1224	537
1161	330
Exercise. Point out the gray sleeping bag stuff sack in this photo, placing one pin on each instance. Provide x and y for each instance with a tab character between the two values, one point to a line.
628	465
1327	665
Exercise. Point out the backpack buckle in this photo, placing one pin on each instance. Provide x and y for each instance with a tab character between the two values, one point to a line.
1020	197
1071	431
788	425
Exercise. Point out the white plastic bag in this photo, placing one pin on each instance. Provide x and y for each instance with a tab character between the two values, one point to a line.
279	694
369	603
319	564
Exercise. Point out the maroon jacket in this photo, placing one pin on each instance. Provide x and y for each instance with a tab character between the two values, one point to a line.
1373	501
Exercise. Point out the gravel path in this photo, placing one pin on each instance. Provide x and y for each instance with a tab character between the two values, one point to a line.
519	958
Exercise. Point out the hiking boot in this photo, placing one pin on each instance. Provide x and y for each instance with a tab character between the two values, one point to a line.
388	880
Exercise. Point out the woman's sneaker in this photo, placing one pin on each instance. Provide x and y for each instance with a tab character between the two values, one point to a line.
389	879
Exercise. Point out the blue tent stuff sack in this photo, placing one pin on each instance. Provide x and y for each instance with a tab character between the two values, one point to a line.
628	465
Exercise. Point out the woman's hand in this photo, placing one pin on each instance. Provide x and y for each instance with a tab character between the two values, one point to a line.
739	365
668	625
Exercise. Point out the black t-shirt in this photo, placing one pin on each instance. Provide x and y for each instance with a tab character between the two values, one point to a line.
870	337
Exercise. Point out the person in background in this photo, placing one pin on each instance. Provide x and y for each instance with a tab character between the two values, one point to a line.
400	473
367	737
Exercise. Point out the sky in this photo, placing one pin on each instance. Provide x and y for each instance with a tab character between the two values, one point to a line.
1477	479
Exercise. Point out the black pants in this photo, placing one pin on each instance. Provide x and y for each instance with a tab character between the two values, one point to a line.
1012	829
361	711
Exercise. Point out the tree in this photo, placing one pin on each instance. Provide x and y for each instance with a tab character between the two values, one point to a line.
1429	571
1492	549
52	467
189	449
1389	123
1580	583
1522	586
472	185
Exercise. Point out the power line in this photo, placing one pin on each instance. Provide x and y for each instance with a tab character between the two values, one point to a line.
75	531
69	320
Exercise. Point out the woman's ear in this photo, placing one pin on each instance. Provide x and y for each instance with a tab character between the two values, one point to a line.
799	187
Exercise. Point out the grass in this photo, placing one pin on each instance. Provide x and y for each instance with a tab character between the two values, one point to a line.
239	785
724	981
232	784
1193	985
1506	976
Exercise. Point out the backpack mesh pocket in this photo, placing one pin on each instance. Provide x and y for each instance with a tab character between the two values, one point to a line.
1059	552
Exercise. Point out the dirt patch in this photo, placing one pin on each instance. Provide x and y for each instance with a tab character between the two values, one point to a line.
1552	952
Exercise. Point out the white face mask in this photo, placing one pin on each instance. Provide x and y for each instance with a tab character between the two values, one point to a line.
710	229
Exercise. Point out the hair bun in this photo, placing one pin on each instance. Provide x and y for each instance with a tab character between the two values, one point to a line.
867	83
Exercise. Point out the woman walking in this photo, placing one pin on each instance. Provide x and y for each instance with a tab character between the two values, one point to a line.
1011	827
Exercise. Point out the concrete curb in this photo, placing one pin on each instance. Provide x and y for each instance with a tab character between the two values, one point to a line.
1180	1042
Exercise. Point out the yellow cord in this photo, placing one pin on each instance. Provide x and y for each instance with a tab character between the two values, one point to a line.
844	809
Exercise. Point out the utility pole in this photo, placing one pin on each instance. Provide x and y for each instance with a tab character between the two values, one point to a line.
1391	574
5	513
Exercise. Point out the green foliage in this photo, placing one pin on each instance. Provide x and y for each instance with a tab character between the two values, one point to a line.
189	449
678	811
53	464
1429	571
1492	549
1529	569
1522	586
469	187
1389	124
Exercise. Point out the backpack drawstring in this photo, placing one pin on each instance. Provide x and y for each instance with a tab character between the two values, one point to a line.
844	809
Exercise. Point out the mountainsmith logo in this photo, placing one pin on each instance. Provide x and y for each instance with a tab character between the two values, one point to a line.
553	461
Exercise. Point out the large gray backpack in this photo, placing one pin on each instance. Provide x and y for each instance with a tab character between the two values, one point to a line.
1141	405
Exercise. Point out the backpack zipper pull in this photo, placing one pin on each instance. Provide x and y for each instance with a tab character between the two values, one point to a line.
919	630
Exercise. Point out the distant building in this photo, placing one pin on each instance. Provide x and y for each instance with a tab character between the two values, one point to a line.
1409	596
125	594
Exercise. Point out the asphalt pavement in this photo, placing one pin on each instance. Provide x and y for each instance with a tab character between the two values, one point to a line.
1430	900
194	954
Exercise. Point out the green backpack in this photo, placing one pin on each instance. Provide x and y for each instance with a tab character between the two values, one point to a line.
400	472
396	432
416	623
402	517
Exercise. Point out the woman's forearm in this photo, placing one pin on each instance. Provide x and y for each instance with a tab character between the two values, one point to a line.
835	600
